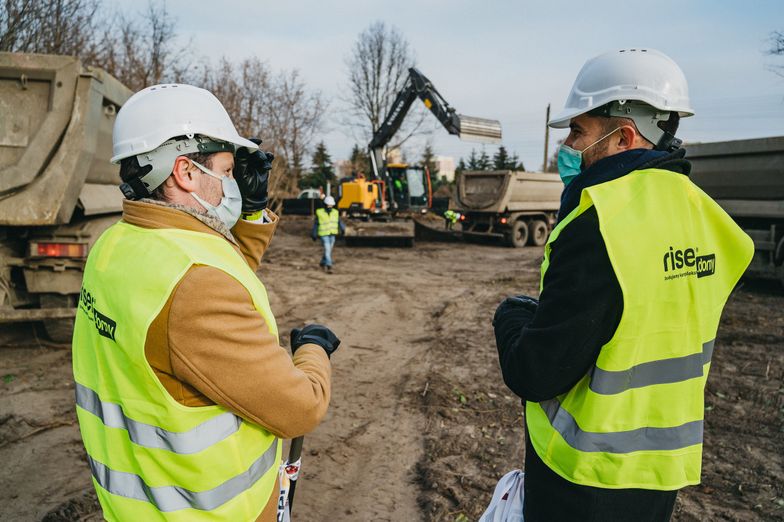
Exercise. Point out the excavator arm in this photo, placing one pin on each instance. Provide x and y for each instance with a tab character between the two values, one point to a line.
418	86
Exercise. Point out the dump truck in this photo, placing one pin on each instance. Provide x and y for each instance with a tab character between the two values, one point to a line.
746	177
518	208
58	190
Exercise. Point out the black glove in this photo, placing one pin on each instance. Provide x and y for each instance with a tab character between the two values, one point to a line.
251	170
518	306
510	317
314	334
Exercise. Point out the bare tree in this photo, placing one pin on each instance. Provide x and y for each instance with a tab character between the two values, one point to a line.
143	51
294	117
776	49
242	89
139	50
49	26
279	109
377	70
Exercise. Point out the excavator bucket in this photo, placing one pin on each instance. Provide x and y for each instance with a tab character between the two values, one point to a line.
479	129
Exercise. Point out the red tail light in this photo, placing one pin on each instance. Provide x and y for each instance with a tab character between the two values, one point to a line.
462	217
42	249
503	220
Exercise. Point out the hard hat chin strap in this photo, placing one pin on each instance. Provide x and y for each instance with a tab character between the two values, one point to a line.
649	121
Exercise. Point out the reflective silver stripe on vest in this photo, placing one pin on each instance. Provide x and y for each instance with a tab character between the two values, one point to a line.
172	498
193	441
641	439
665	371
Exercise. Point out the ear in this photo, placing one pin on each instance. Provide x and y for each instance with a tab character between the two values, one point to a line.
182	175
627	137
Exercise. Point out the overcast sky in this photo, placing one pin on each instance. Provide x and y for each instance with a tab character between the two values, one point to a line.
508	59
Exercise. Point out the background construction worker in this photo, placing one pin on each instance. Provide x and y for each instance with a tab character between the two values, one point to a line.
612	360
183	390
450	218
326	226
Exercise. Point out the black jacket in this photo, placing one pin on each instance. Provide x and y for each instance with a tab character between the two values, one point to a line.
545	353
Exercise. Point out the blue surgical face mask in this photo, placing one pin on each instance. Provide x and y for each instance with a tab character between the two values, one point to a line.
570	160
230	206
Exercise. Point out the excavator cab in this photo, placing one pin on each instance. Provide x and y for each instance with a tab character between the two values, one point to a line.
410	187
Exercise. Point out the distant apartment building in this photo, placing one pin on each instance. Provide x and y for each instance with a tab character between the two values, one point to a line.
446	167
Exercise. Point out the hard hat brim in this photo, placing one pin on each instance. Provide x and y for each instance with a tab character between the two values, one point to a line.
562	119
242	142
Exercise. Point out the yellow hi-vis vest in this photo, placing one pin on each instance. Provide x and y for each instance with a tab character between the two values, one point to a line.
151	457
328	222
636	419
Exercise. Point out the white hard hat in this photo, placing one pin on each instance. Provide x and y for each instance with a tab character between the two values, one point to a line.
641	75
329	201
161	112
149	120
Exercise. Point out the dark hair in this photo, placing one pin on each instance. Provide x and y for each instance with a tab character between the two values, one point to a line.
130	169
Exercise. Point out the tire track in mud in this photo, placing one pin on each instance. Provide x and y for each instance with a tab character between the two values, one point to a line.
360	463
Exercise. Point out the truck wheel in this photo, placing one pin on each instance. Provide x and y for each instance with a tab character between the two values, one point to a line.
58	330
518	236
537	232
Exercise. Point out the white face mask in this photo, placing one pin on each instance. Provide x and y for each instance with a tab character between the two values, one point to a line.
230	206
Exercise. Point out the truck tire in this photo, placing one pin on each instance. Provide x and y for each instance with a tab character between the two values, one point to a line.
518	236
537	232
58	330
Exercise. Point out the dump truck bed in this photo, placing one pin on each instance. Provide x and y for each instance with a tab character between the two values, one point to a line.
740	169
498	191
56	119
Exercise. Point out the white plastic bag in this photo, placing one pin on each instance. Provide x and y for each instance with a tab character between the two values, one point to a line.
507	503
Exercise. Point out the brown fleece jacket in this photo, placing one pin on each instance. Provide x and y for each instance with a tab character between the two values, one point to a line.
209	345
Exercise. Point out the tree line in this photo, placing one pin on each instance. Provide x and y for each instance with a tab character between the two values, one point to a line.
501	160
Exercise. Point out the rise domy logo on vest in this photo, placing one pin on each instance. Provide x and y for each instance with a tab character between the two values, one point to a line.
103	323
685	263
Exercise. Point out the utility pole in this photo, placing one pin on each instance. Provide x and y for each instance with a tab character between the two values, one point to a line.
546	138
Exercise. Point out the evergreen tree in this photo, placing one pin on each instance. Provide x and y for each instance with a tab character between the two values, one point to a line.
483	163
321	172
515	163
428	161
473	161
461	166
501	160
428	157
360	162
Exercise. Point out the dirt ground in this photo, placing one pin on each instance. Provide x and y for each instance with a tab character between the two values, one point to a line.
421	425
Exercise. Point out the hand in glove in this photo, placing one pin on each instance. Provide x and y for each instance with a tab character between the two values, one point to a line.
510	317
314	334
518	306
251	170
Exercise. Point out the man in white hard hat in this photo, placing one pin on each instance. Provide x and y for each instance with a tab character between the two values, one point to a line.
612	359
183	391
326	227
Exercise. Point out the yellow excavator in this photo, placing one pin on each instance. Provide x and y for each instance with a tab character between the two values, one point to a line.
379	209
